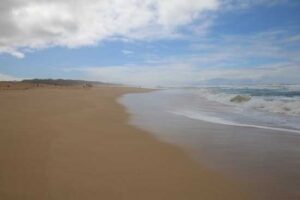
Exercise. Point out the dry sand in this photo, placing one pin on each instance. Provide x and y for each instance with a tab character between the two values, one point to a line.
76	144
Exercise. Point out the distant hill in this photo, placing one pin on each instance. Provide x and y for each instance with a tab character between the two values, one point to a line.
62	82
33	83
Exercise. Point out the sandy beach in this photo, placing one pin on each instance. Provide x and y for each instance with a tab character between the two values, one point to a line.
72	143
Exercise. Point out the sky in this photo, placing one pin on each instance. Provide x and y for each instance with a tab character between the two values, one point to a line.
152	42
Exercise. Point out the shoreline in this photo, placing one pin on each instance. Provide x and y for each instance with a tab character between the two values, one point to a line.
264	162
228	123
69	143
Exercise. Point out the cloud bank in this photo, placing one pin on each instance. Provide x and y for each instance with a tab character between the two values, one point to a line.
34	24
265	57
189	75
5	77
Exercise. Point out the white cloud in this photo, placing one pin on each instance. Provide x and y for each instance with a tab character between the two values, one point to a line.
38	24
74	23
276	45
127	52
4	77
244	4
12	51
266	57
189	75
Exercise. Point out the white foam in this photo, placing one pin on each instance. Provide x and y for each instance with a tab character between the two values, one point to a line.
283	105
217	120
286	106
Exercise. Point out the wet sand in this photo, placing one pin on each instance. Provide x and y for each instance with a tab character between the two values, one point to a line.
67	143
264	162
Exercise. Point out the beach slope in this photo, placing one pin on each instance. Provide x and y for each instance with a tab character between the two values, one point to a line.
67	143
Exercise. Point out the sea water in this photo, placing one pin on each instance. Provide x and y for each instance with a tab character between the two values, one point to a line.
249	133
269	107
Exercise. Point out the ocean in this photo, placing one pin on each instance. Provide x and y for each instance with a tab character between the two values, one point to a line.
269	107
248	133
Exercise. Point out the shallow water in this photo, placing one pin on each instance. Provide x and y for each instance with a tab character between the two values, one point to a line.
266	161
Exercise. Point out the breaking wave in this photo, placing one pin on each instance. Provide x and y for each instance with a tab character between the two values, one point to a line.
281	100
